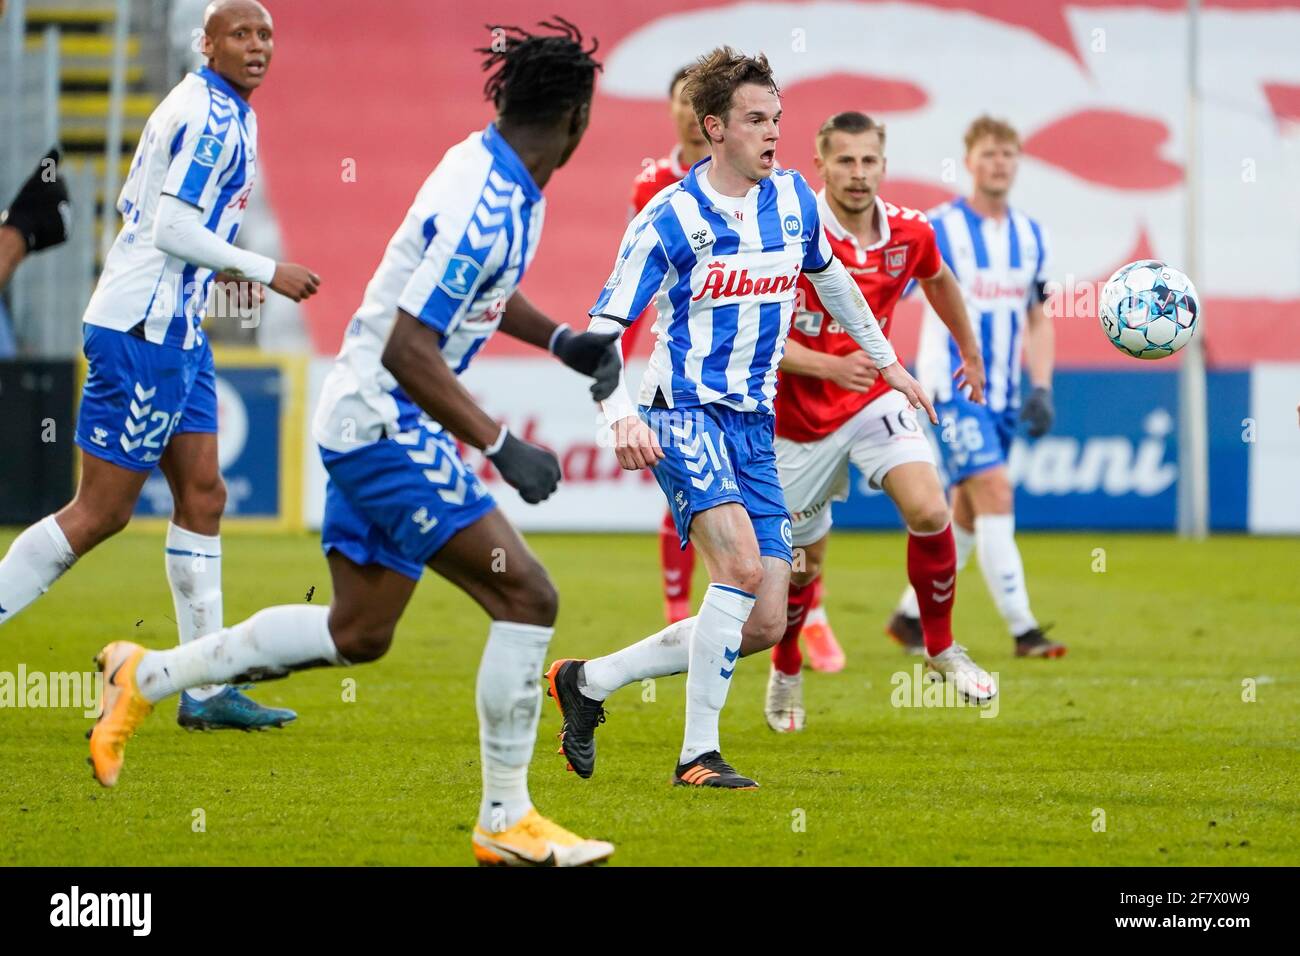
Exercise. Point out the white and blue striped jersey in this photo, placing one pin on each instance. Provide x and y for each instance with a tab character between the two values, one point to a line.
723	286
200	145
455	260
1000	265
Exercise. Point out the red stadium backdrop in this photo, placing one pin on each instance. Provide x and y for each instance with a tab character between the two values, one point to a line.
363	101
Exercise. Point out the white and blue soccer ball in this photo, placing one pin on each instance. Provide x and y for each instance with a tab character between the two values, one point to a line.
1148	309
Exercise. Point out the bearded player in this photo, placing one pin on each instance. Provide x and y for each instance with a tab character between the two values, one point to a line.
720	255
833	409
150	397
399	497
1000	257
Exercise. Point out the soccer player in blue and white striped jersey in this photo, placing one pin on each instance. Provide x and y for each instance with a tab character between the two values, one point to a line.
150	396
1001	258
719	254
400	498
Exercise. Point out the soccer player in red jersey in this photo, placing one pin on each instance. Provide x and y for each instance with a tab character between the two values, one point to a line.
832	409
690	149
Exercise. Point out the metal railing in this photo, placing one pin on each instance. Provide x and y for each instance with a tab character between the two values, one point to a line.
48	294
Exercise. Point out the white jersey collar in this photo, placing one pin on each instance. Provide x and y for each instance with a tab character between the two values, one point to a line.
717	200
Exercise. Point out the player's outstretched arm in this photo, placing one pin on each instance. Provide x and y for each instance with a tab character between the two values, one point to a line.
845	304
943	292
413	356
179	232
590	353
854	372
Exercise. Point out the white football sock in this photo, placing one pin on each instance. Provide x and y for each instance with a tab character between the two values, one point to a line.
509	701
271	643
714	651
816	615
36	559
1004	573
661	654
965	541
194	572
908	605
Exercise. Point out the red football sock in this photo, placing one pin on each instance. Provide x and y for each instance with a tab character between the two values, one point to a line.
932	569
816	601
678	565
786	656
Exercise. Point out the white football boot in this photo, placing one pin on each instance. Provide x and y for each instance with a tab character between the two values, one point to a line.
784	706
537	841
970	680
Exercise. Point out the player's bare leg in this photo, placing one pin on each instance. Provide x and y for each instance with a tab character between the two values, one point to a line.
270	644
192	556
932	570
368	601
103	505
725	540
105	498
668	652
991	501
491	563
198	492
724	537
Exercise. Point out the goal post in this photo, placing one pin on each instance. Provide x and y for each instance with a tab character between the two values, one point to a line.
1193	413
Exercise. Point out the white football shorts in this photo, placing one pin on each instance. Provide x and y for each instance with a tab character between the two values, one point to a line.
882	436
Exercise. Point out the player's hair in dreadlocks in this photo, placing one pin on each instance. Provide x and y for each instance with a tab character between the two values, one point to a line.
534	78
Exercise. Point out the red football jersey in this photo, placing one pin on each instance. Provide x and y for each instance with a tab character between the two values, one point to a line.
654	177
810	408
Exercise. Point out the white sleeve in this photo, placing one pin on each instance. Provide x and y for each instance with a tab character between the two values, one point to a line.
179	232
843	300
618	406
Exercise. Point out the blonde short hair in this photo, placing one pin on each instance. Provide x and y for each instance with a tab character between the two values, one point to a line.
1000	130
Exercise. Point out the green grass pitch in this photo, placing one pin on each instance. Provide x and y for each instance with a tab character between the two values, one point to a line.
1169	735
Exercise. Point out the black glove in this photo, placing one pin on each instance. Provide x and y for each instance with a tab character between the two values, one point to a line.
533	471
40	211
591	353
1038	413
